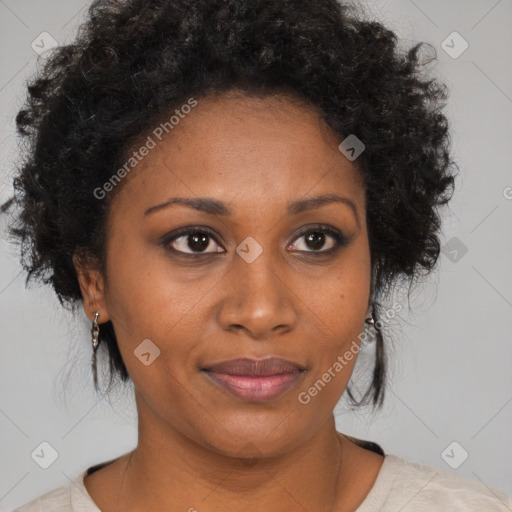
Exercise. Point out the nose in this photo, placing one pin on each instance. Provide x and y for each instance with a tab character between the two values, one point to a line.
259	299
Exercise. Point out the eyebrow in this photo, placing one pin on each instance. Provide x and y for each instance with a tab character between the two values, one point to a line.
214	207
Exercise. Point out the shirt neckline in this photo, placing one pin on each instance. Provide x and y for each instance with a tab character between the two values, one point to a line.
388	473
81	501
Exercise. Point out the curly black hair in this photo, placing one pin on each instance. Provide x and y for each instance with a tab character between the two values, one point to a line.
133	62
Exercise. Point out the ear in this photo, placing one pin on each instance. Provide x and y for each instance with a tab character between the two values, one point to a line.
92	286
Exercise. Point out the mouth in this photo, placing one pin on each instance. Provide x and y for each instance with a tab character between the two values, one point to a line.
255	380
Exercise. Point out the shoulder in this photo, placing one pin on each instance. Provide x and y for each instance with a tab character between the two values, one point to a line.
72	497
58	500
424	487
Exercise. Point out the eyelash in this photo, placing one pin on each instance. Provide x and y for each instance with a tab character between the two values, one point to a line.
339	239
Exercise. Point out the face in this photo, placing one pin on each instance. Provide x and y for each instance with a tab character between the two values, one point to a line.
261	270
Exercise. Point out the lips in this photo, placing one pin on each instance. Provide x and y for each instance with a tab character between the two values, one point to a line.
255	380
256	367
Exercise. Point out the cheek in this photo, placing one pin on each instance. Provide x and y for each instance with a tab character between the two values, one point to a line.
158	315
336	349
145	296
339	304
338	309
135	293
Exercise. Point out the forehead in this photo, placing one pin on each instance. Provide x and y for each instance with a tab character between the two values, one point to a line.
243	148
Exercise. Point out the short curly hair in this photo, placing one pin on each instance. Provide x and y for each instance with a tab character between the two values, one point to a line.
133	62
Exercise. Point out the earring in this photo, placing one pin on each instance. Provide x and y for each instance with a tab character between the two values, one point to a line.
370	320
95	342
95	331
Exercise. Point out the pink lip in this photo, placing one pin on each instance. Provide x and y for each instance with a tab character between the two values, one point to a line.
255	367
255	388
255	379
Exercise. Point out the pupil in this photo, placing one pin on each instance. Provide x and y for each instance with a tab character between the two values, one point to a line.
317	239
201	241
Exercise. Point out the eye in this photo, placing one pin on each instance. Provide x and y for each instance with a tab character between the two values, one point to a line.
317	237
199	240
192	240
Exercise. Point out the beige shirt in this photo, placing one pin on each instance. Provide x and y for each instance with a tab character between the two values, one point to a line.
401	485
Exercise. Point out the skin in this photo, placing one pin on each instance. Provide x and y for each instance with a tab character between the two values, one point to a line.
200	447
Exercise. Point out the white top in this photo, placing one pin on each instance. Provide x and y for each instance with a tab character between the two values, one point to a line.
400	485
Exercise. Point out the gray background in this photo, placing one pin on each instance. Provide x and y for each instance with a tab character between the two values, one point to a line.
450	375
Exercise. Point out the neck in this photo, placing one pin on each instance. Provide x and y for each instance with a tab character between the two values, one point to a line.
170	471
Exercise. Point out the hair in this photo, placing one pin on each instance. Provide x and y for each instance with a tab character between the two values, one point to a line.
133	62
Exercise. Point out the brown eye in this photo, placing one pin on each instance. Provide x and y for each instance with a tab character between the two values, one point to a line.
192	241
316	239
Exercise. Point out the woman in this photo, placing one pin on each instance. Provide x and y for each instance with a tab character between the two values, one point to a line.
231	188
